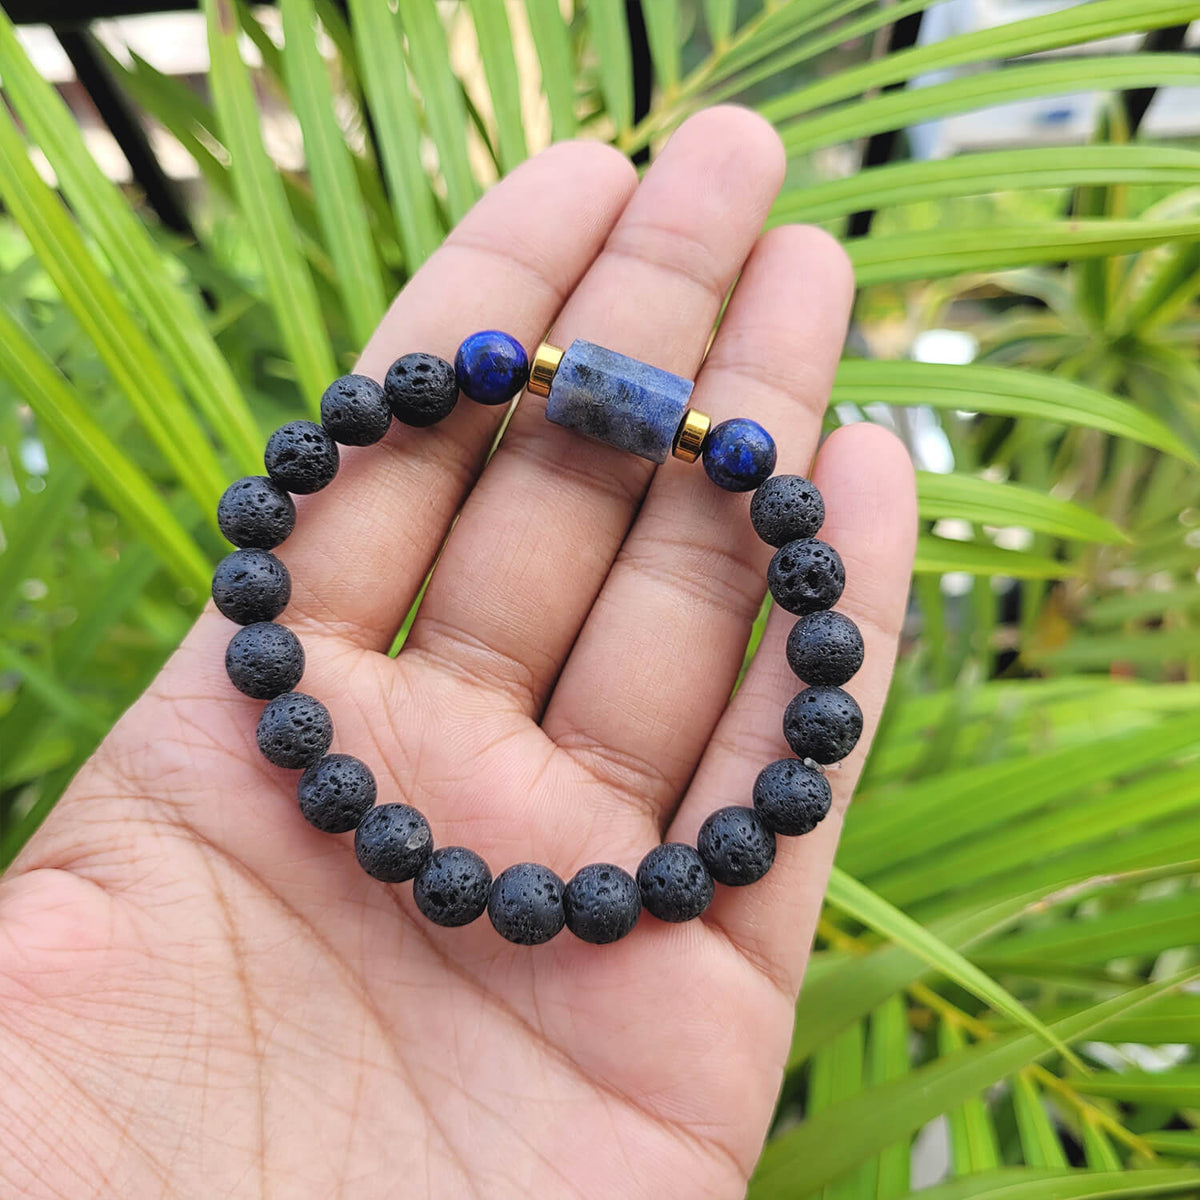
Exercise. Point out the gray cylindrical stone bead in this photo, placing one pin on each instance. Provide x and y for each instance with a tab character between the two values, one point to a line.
264	660
336	793
294	731
618	400
822	723
256	512
250	586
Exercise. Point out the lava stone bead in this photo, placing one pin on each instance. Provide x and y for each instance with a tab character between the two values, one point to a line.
822	723
452	887
250	586
421	389
393	842
526	904
301	457
354	411
825	647
264	660
738	454
295	730
786	507
601	903
791	797
336	793
492	367
737	846
674	882
255	512
806	575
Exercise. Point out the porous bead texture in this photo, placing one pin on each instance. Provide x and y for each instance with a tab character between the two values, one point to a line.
674	882
301	457
786	507
791	797
822	723
736	845
421	389
264	660
336	793
526	904
256	512
295	730
491	367
738	454
806	575
601	903
393	842
452	887
825	647
250	586
354	411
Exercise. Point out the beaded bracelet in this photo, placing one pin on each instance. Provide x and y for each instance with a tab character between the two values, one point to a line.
635	407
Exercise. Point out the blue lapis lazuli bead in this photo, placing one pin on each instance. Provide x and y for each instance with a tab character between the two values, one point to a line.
739	455
618	400
491	366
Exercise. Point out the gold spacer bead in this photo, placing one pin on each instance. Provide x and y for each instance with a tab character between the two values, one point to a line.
689	439
541	373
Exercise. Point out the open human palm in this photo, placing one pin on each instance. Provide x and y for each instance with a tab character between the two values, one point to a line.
201	995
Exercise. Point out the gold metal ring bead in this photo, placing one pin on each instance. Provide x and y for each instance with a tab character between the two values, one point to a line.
541	373
689	439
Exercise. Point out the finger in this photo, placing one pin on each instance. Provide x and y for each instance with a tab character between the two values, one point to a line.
363	545
668	632
865	475
538	534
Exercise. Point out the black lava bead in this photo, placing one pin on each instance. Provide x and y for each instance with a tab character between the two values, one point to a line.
254	511
736	845
786	507
825	647
355	411
791	797
526	904
301	457
806	575
250	586
294	730
422	389
452	887
674	882
393	842
822	723
601	903
336	793
264	660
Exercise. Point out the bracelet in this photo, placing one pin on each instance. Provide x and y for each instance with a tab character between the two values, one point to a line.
635	407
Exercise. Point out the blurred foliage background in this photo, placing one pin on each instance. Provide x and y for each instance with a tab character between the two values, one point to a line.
1020	870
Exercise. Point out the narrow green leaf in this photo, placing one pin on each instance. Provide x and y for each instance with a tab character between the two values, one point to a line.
984	172
973	1146
102	315
54	694
1031	1183
379	42
1179	1143
331	167
861	903
819	1150
986	502
719	17
610	36
888	1060
1177	1088
172	315
1001	391
666	40
837	1074
552	40
901	257
899	109
264	206
1097	1148
119	480
445	113
494	37
1040	1146
939	556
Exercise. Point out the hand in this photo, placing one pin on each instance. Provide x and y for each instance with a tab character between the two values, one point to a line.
201	995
